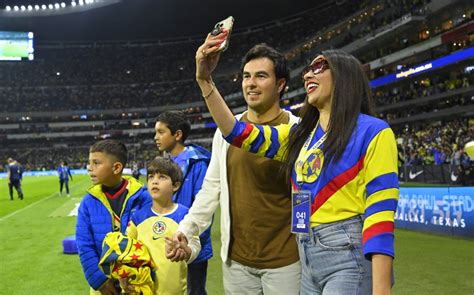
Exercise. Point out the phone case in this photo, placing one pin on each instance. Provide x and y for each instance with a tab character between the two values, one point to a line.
226	24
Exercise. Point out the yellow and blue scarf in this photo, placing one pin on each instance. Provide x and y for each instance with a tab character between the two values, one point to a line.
124	257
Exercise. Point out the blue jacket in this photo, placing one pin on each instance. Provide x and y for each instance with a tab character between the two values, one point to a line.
64	172
95	220
16	171
194	161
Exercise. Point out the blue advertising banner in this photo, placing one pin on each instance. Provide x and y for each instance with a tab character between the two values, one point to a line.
427	66
448	210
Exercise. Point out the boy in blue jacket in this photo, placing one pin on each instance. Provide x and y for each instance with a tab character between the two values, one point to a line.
172	128
107	207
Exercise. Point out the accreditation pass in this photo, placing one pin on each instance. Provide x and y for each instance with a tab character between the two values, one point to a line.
300	211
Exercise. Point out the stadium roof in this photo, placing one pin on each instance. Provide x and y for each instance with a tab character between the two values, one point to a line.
147	19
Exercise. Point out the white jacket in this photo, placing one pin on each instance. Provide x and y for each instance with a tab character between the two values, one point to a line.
214	191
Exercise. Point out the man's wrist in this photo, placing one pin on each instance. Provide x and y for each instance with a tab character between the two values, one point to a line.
204	81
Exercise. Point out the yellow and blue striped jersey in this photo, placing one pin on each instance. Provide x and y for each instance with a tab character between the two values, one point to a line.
363	182
151	229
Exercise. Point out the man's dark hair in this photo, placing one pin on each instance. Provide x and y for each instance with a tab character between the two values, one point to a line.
111	147
175	120
279	61
167	167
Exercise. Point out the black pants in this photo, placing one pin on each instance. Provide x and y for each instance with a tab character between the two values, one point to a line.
197	273
62	183
17	185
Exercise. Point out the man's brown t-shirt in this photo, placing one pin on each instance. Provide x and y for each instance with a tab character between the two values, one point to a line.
260	207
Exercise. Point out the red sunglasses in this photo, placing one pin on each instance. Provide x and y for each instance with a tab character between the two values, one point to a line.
317	67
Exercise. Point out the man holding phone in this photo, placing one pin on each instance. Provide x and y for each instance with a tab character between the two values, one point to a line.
259	251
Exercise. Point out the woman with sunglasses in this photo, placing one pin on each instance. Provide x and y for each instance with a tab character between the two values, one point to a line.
342	163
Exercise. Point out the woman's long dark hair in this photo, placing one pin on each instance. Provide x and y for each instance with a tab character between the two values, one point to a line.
351	96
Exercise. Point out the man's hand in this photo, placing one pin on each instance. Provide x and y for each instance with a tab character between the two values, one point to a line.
109	288
207	56
177	248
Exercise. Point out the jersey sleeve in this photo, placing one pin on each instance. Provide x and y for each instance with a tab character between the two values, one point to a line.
263	140
381	182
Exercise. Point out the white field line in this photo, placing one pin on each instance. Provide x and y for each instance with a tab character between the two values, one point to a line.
37	202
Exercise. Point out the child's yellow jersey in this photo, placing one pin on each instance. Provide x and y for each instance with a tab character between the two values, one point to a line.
151	229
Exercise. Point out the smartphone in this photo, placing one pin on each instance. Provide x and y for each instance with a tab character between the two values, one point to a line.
227	25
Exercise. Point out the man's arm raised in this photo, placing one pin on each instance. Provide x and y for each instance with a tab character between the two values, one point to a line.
207	58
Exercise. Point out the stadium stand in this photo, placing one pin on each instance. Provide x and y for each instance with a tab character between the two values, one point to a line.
75	93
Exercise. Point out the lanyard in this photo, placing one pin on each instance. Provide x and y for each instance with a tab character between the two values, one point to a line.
306	152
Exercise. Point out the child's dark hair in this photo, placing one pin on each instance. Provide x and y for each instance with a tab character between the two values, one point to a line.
111	147
176	120
167	167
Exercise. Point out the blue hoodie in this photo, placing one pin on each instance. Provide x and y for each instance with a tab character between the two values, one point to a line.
194	161
95	221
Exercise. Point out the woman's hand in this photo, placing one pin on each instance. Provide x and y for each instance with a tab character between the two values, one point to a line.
207	56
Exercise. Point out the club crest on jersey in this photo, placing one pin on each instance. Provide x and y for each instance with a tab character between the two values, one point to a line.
159	227
312	166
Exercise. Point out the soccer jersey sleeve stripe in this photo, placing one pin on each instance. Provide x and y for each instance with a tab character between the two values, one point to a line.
239	133
377	218
379	244
376	229
275	146
259	140
390	193
384	181
266	132
252	136
283	131
268	141
385	205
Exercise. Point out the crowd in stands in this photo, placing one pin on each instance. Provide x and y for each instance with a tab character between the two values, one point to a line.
438	143
47	154
435	84
414	37
381	15
128	75
425	88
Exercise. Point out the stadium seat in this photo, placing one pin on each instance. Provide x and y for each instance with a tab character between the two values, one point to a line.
69	245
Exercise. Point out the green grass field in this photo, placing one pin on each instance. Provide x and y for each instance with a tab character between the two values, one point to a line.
32	261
